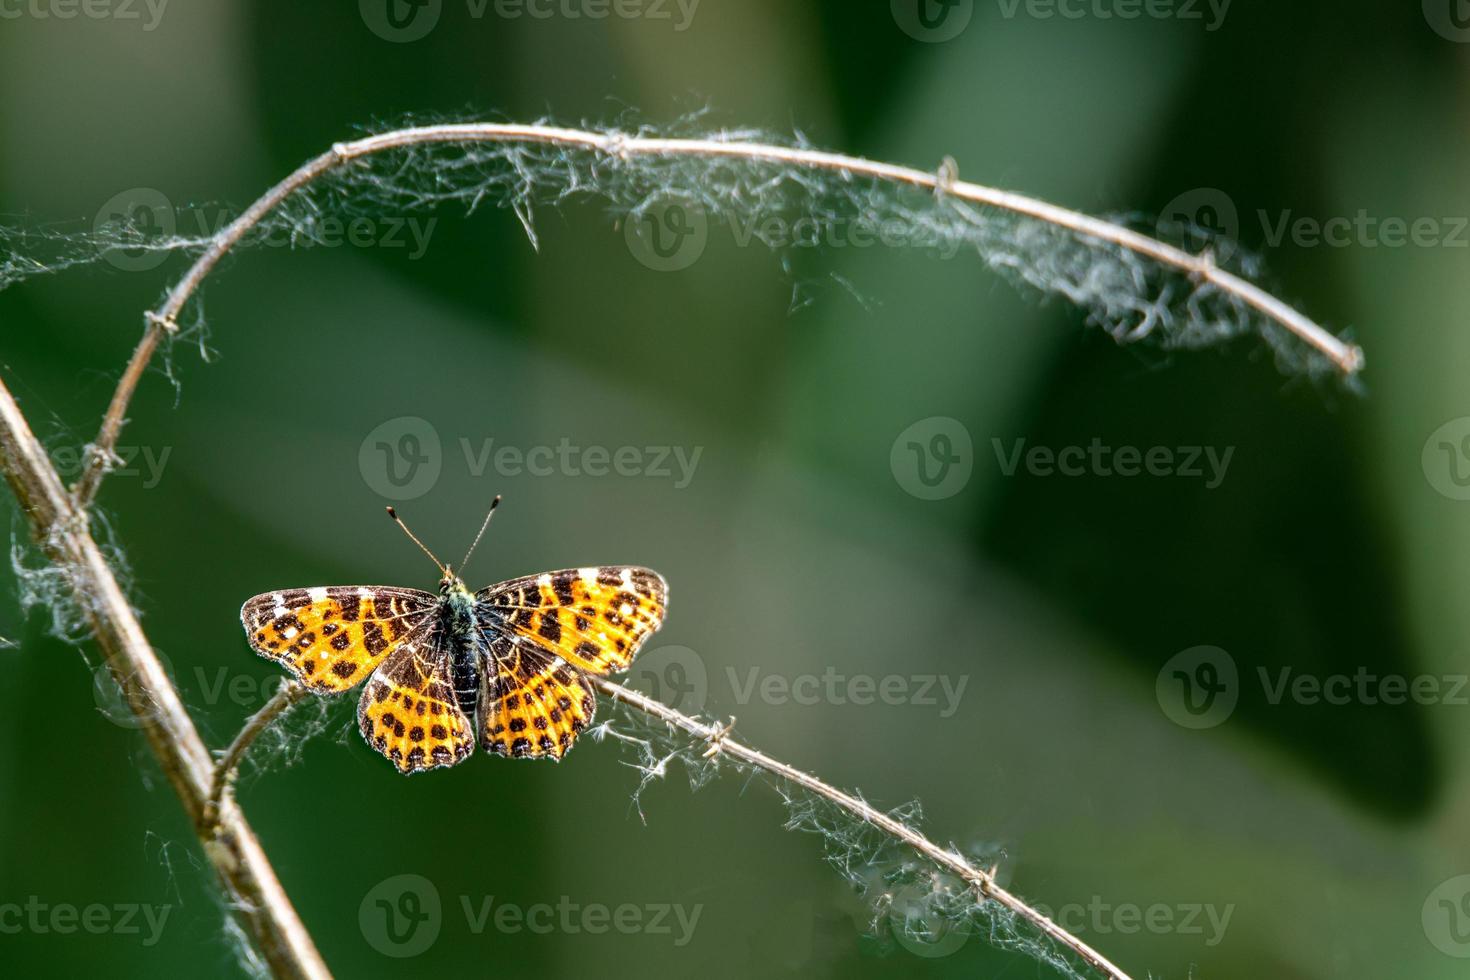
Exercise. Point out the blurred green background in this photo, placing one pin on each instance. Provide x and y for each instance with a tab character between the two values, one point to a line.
1332	835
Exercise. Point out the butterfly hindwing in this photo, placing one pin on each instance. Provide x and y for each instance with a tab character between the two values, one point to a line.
331	638
595	619
409	711
532	704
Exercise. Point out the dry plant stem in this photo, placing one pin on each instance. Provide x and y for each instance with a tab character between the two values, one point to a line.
62	532
291	692
1347	357
982	881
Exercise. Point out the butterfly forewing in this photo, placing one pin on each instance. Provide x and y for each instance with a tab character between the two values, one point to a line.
332	637
409	711
595	619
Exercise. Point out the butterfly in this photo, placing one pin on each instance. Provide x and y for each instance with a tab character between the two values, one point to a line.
506	666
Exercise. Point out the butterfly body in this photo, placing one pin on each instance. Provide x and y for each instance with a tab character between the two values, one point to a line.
457	620
505	667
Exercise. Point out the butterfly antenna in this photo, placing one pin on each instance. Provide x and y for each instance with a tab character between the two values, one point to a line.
493	504
399	521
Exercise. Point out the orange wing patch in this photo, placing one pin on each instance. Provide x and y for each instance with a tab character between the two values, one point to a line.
535	705
409	711
593	618
331	638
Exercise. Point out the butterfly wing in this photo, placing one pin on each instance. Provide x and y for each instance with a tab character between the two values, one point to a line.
533	704
409	711
593	618
331	638
542	632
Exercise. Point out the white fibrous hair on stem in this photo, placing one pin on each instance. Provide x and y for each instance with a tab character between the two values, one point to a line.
1133	297
908	901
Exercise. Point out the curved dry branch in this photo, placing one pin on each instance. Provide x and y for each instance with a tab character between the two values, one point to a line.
1347	358
983	882
223	779
719	742
61	531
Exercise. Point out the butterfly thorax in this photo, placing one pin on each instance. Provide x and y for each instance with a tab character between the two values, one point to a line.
456	608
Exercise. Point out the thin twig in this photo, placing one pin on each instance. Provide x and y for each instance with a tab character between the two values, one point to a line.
984	883
717	737
1348	358
62	533
291	692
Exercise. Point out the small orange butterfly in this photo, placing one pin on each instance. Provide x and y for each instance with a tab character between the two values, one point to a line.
508	662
